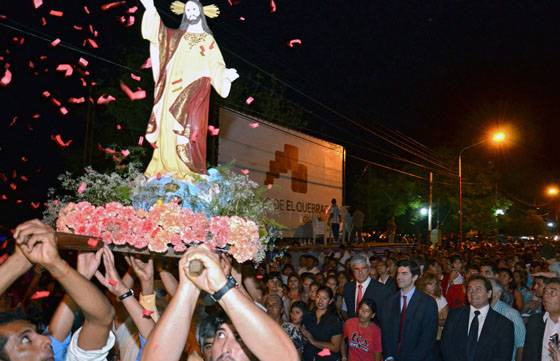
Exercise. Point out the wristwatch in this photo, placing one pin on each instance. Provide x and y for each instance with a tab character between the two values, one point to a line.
126	295
231	283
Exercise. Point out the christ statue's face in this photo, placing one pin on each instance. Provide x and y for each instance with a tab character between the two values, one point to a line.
192	12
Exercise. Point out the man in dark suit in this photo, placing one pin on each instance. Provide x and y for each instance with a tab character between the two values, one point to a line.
541	327
409	324
477	332
363	287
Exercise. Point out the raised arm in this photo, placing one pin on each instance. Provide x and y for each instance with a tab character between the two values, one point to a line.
15	266
38	244
168	338
63	318
116	286
266	339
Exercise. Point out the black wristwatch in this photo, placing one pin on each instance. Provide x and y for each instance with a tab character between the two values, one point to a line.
126	295
231	283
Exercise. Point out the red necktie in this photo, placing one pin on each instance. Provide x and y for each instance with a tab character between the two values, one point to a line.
359	298
401	325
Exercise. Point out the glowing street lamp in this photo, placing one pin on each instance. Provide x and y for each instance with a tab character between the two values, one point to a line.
423	211
552	191
497	137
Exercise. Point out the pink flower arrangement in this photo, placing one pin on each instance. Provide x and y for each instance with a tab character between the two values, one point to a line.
164	225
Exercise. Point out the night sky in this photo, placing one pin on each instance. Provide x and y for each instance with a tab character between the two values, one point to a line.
442	73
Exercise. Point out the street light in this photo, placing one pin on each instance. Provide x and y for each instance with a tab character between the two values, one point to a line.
552	191
497	137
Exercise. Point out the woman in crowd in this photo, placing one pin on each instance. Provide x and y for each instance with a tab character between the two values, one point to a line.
311	301
293	328
430	285
361	336
322	329
511	295
520	279
294	288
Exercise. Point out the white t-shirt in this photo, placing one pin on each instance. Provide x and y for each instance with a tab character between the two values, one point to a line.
75	353
441	303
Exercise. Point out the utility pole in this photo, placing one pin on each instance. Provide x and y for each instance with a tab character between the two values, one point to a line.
430	204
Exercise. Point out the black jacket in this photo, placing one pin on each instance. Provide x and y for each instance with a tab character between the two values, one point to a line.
420	328
532	351
376	291
494	344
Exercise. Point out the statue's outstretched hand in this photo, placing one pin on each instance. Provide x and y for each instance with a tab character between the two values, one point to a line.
231	74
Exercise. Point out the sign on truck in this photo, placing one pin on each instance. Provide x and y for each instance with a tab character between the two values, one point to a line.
305	172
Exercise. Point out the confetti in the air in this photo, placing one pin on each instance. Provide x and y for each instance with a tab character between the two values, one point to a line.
37	3
254	125
249	100
135	77
272	6
213	130
61	143
105	99
83	62
245	171
125	152
55	42
112	5
293	42
147	64
7	78
76	100
39	295
66	68
137	95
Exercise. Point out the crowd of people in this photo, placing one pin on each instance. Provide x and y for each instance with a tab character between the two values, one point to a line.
480	301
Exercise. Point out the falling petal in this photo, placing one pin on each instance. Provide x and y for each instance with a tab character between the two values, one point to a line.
249	100
37	3
56	13
293	42
137	95
55	42
58	139
83	62
7	78
76	100
67	68
105	99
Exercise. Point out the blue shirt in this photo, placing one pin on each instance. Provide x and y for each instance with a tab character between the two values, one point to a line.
518	326
59	348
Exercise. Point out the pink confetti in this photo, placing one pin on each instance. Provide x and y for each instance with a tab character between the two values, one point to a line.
106	150
56	13
147	64
46	94
147	313
242	18
105	99
55	42
213	130
92	43
4	197
82	188
92	242
272	6
119	127
293	42
249	100
63	110
13	186
131	20
324	352
67	68
125	152
245	171
83	62
86	10
40	294
140	140
76	100
135	77
112	282
37	3
58	139
112	5
132	10
76	27
137	95
55	102
254	125
43	21
7	78
35	205
14	120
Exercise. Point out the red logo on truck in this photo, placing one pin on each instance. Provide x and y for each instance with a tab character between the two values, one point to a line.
288	161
